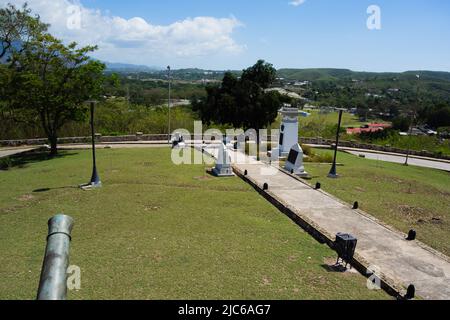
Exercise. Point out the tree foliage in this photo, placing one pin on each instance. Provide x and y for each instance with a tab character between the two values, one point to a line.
242	102
48	81
18	28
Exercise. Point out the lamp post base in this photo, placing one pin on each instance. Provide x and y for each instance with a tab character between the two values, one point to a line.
333	176
91	186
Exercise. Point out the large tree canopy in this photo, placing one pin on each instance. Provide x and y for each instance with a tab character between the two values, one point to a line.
244	102
18	29
47	81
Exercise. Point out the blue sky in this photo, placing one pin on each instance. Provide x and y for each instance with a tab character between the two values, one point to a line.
317	33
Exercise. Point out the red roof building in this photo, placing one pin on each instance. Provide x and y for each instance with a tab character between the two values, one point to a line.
371	127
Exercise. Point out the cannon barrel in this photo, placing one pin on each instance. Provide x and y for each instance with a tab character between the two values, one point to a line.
53	281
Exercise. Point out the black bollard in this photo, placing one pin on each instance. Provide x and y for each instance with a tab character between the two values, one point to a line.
318	186
355	205
265	187
410	292
245	173
411	235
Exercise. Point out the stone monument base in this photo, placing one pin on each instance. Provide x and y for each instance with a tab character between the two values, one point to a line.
224	172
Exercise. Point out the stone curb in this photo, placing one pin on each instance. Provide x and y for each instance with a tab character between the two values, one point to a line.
389	285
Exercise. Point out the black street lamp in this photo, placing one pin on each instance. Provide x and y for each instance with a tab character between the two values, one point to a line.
409	139
413	118
170	84
333	171
95	179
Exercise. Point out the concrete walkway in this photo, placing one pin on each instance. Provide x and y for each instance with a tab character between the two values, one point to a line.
6	152
380	247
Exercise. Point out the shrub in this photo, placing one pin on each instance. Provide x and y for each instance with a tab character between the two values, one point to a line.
307	150
5	163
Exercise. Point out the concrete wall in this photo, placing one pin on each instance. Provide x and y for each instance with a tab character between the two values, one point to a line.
77	140
163	137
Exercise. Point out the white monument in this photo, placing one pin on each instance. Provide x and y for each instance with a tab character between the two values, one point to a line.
178	141
294	162
228	143
223	164
288	130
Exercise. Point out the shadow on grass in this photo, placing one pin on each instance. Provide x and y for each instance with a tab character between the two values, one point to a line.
337	268
42	190
22	160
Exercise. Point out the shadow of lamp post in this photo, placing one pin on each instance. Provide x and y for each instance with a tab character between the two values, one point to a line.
333	172
95	179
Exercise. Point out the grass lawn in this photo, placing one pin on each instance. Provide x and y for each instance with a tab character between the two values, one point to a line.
160	231
348	120
403	197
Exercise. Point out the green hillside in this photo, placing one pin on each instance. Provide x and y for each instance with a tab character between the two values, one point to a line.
346	74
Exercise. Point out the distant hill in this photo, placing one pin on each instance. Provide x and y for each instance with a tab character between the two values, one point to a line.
346	74
125	67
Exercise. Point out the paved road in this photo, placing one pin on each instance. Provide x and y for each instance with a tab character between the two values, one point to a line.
9	152
400	261
401	159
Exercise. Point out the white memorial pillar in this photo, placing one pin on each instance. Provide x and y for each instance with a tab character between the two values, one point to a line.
223	164
289	130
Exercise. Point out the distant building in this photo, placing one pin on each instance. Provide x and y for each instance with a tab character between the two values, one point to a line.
371	127
301	83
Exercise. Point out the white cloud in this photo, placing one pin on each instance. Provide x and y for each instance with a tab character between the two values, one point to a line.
136	40
296	3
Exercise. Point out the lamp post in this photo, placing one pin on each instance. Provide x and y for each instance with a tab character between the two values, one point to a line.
95	179
333	171
409	139
413	116
168	75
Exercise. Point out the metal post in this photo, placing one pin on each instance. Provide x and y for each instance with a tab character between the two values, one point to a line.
168	73
409	141
95	179
413	116
53	281
333	171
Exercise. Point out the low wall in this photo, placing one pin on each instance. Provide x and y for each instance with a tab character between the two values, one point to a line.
164	137
78	140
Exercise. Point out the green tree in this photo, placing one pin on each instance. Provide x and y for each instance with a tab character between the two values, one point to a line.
401	123
18	28
49	82
262	73
242	103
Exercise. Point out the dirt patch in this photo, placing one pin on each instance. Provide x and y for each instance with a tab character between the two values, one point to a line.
151	208
10	210
157	257
26	197
413	214
203	178
418	215
359	189
266	281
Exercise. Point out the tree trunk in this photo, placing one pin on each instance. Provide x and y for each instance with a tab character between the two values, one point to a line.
53	145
